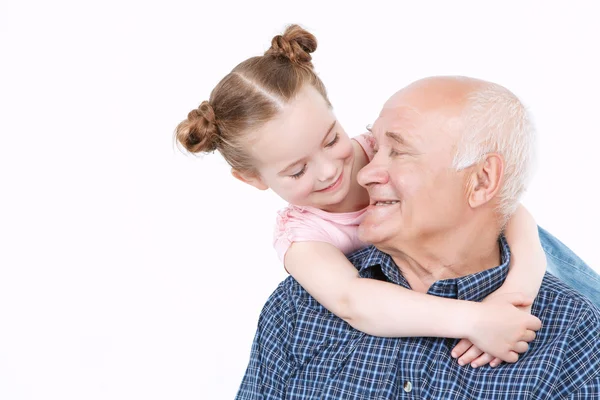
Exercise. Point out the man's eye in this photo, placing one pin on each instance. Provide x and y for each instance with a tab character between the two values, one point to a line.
394	153
334	141
299	173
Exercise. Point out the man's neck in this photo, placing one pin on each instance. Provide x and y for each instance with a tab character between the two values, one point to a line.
464	251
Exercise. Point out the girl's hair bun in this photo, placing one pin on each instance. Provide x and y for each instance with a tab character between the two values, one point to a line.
199	132
295	44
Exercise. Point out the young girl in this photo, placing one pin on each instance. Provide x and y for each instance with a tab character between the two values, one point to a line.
271	120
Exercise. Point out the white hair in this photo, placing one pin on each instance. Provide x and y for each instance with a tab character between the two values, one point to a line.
495	121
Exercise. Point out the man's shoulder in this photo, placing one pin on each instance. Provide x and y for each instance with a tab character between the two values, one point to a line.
291	299
562	301
283	295
558	294
570	334
299	322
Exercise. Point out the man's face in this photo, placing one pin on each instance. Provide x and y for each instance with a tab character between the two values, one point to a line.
416	194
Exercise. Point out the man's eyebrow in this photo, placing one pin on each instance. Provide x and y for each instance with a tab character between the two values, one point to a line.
298	161
397	137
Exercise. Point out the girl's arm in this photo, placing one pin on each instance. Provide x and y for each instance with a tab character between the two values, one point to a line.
385	309
528	261
526	271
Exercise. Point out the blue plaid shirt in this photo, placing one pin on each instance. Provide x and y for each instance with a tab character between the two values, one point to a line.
302	351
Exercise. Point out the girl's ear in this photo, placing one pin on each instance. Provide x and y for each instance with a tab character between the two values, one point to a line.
250	179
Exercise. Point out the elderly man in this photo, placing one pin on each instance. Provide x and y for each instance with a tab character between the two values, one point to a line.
453	158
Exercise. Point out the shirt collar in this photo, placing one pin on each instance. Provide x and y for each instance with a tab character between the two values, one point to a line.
373	263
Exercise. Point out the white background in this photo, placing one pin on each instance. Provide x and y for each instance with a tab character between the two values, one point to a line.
129	270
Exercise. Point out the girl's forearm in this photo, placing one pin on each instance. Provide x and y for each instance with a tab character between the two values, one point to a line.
528	260
385	309
375	307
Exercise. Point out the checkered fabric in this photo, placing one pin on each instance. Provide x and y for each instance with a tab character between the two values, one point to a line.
302	351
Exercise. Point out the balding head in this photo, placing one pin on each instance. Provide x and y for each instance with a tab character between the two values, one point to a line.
453	152
436	92
484	117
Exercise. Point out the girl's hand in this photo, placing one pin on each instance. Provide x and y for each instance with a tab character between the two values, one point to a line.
471	354
499	331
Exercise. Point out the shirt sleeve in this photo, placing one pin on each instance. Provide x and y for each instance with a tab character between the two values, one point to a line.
583	357
367	142
293	225
271	362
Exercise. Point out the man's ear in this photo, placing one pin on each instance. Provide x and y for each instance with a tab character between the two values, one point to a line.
250	179
485	180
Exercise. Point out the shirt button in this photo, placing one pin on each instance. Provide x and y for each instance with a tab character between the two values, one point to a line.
407	386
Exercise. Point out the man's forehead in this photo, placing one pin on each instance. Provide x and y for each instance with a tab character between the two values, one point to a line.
410	127
400	111
402	118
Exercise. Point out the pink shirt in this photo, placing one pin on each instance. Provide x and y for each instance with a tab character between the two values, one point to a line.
309	224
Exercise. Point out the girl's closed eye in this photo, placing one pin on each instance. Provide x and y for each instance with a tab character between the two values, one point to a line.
334	141
299	173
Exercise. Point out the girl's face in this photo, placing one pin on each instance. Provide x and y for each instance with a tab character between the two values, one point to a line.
304	154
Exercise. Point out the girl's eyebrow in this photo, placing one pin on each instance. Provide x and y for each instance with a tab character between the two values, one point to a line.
329	131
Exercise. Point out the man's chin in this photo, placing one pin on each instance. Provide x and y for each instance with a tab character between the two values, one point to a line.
369	234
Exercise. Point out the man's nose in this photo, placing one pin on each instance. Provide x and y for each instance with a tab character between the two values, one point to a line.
373	173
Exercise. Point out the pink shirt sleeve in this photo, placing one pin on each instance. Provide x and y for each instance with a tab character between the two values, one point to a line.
293	225
367	142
